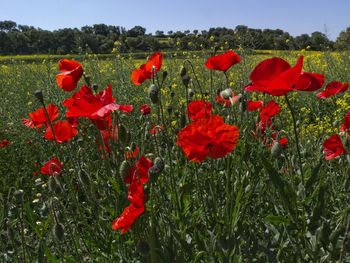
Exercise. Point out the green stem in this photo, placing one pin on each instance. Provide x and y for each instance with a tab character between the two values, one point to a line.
296	137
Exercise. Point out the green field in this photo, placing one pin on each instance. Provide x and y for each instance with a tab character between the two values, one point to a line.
249	206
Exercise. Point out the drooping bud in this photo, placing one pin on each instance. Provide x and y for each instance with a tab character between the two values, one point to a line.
183	71
39	95
153	92
183	121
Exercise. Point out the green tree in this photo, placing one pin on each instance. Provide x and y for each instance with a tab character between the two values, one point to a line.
343	40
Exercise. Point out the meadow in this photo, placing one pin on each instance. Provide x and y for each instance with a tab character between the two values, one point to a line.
263	200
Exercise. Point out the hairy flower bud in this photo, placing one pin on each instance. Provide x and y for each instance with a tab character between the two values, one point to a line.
186	80
153	93
58	231
190	93
276	150
124	169
183	71
39	95
226	93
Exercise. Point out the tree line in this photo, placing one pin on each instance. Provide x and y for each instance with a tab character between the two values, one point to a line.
103	39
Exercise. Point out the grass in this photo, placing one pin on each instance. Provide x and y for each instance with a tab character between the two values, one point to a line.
245	207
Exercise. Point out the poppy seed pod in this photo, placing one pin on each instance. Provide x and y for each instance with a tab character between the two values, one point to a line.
276	150
124	169
39	95
159	162
186	80
226	94
58	231
153	92
183	71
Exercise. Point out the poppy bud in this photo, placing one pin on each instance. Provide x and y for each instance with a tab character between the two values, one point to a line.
183	71
123	134
84	178
170	109
159	162
335	124
226	94
58	231
190	93
276	150
39	95
124	169
54	187
95	87
165	74
143	247
153	93
218	92
18	193
172	93
133	146
13	210
186	80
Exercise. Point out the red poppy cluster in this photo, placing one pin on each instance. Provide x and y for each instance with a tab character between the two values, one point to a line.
4	143
199	109
223	62
139	75
276	77
346	124
145	109
229	101
136	178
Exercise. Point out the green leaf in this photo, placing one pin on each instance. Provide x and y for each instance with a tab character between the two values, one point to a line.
277	220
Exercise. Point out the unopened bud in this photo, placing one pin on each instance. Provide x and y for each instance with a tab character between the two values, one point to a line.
123	134
190	93
39	95
172	93
165	74
169	109
124	169
186	80
183	121
87	80
153	92
226	94
276	150
58	231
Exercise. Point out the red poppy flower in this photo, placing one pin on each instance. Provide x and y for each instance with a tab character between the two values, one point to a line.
38	117
207	137
156	129
139	75
199	109
346	124
267	112
333	88
135	195
64	132
254	105
71	73
145	109
333	147
276	77
4	143
95	107
283	143
223	62
52	167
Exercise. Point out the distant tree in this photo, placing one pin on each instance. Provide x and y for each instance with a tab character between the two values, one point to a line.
319	41
159	33
101	29
136	31
343	40
8	25
195	31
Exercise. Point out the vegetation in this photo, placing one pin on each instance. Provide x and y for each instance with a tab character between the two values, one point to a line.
101	39
254	204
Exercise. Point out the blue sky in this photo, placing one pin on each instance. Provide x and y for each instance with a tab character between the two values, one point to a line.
293	16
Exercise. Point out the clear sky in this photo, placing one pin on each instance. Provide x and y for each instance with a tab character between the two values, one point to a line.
293	16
